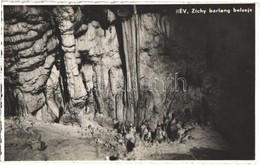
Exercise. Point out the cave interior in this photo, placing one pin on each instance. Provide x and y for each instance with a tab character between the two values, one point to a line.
128	66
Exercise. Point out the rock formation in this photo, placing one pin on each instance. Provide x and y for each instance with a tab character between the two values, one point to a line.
31	45
127	63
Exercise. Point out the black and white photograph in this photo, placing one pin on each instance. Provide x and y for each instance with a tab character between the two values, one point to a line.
128	82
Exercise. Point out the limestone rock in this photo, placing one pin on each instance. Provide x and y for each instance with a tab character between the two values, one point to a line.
65	17
30	46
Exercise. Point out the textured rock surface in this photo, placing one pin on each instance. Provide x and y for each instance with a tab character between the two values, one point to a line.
101	66
164	56
66	17
30	49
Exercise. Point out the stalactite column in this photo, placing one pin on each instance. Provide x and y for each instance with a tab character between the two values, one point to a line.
65	16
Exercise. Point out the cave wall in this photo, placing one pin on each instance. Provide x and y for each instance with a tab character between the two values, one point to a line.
62	57
219	51
101	68
30	47
232	101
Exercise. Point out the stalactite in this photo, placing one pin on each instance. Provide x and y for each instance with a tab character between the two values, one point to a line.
131	67
132	54
127	77
137	43
122	44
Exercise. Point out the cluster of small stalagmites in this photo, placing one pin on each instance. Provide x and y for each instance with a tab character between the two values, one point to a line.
30	49
136	139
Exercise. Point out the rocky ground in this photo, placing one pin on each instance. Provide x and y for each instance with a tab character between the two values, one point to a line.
94	139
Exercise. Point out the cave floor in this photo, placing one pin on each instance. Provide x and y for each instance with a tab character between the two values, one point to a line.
96	142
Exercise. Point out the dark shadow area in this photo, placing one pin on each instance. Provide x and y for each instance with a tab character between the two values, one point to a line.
211	154
130	146
199	154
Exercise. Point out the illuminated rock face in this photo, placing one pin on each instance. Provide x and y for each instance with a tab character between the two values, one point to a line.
101	67
88	70
125	70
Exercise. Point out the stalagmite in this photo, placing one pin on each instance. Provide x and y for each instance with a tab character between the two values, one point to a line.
65	17
52	87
